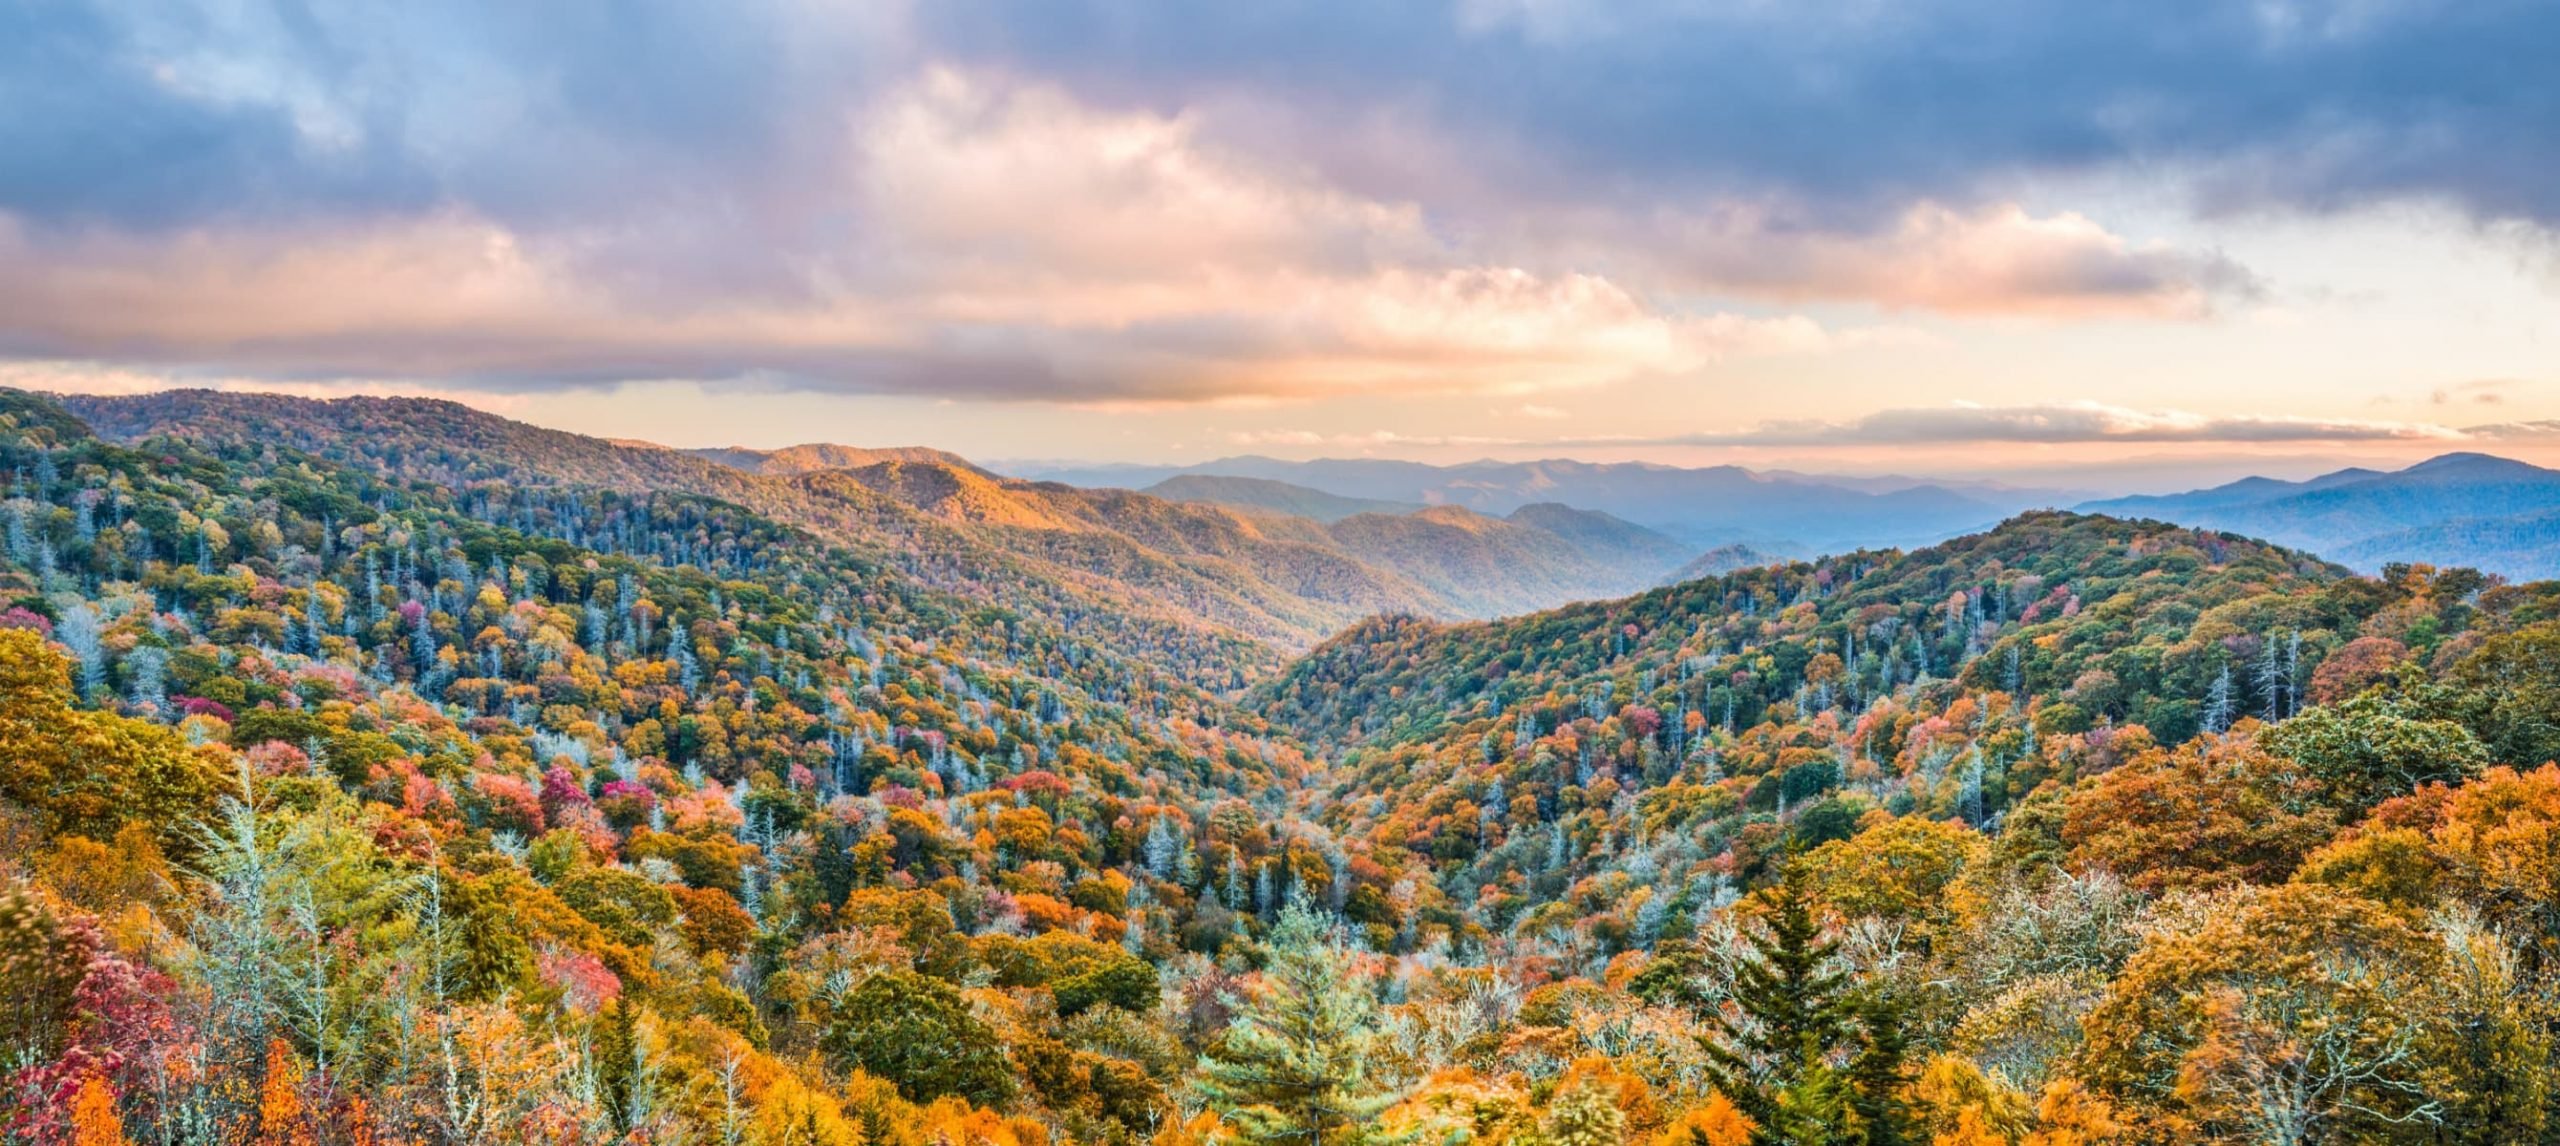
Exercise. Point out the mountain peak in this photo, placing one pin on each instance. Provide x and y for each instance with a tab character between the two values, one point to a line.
2469	463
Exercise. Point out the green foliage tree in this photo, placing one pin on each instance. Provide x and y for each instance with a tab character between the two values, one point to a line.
2369	748
1878	1074
918	1033
1129	984
1294	1066
2509	692
1774	1065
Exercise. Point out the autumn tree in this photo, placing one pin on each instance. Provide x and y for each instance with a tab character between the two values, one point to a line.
2212	813
2288	1015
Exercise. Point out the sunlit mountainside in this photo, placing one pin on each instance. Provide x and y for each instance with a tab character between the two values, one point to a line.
385	768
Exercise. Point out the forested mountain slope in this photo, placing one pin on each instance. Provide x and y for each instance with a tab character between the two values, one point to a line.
1279	496
821	456
1225	587
459	782
372	773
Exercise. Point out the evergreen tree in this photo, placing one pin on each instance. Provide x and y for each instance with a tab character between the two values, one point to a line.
1294	1066
1774	1066
618	1066
1877	1075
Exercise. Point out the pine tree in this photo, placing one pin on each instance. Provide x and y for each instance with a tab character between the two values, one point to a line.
1774	1067
1878	1074
618	1066
1294	1066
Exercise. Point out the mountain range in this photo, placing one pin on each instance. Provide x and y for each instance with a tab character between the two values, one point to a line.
2490	513
1776	511
2494	514
1234	583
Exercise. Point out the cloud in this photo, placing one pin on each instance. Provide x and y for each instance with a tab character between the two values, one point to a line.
1144	201
1027	246
1370	440
2076	423
1998	260
2539	429
2480	392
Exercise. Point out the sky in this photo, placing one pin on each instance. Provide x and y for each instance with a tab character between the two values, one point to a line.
2138	240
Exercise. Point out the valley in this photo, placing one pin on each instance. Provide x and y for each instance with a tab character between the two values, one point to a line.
804	761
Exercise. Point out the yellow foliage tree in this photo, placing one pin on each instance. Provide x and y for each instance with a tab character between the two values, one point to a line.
283	1118
1717	1123
94	1121
2068	1115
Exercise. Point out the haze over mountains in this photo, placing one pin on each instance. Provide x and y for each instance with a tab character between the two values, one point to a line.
1781	512
1289	552
2494	514
2490	513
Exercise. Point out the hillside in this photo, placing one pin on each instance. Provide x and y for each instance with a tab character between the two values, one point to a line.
2459	509
1228	589
632	813
822	456
1719	561
1885	615
1277	496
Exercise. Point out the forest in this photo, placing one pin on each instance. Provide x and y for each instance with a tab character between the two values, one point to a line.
422	790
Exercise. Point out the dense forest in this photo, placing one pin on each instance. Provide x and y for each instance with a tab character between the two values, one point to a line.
438	783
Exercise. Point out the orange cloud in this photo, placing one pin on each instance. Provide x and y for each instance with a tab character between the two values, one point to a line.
1016	244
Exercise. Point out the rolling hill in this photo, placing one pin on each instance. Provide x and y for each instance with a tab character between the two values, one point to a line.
727	801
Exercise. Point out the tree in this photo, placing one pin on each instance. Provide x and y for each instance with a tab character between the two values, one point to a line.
1129	984
918	1033
94	1121
2209	814
2220	703
2509	690
1878	1074
87	772
1906	870
2367	749
1294	1066
1718	1122
1583	1115
2284	1015
283	1119
1772	1060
